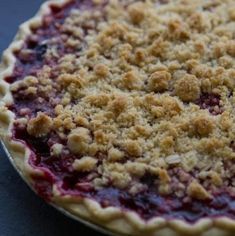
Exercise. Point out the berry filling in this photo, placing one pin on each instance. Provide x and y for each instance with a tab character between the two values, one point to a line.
147	203
210	102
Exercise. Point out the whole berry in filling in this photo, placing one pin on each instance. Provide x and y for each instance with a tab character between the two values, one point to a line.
210	102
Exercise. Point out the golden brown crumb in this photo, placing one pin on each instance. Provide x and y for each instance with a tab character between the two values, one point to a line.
225	121
140	55
100	137
196	190
115	155
171	105
133	148
159	81
209	145
196	21
187	88
98	100
86	163
131	80
216	178
136	12
97	1
118	105
143	130
68	79
166	144
163	175
120	180
232	13
56	149
178	30
81	121
136	169
158	47
203	125
78	140
40	125
101	70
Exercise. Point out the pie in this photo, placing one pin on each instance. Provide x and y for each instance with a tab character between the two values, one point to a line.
123	112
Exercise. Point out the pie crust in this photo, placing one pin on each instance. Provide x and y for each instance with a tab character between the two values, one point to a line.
112	218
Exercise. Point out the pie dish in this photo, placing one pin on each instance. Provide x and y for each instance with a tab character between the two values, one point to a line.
122	112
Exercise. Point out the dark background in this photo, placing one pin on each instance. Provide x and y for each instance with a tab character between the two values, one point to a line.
22	213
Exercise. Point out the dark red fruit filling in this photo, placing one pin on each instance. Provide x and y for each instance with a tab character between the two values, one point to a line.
211	102
148	203
30	62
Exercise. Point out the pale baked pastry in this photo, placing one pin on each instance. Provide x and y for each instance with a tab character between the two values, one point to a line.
123	112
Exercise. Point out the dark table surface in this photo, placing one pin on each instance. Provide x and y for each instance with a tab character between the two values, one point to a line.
22	213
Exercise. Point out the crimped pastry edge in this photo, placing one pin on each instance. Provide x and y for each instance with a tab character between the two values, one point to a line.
113	218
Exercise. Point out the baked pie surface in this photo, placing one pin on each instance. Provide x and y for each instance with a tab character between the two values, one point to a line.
122	112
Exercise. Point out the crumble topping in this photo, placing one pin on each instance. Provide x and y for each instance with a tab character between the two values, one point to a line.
85	164
187	88
56	149
143	90
40	125
78	140
203	125
196	190
159	81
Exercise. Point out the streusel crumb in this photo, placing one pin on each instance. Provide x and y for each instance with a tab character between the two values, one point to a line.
148	90
195	190
159	81
78	140
187	88
85	164
40	125
203	125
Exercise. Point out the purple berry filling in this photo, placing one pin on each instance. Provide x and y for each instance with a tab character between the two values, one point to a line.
210	102
147	204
